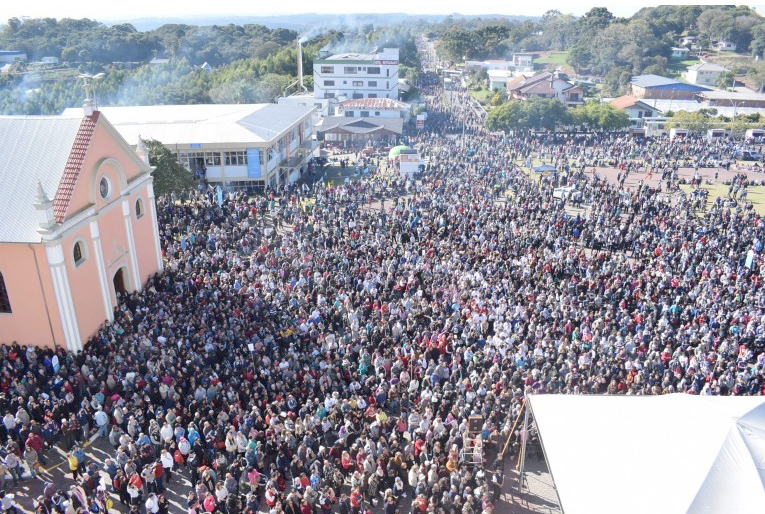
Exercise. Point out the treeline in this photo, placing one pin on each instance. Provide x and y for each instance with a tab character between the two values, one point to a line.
549	113
250	64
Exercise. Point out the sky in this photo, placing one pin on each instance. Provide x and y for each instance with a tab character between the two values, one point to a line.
106	11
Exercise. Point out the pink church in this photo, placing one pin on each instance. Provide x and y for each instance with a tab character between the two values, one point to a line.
78	226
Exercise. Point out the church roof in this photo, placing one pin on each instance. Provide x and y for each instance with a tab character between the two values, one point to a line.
45	149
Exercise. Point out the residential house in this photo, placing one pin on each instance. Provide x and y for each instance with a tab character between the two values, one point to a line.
523	62
725	46
656	86
637	110
546	85
498	79
704	74
680	53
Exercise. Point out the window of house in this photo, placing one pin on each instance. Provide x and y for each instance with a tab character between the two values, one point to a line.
372	95
139	212
329	95
574	97
349	114
5	303
377	113
327	69
372	83
238	158
357	83
78	252
373	70
356	96
349	70
329	82
364	114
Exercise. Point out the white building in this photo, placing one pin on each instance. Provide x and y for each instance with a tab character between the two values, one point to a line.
352	75
498	78
234	145
704	74
373	108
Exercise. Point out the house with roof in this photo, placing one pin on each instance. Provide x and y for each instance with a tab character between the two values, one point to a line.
374	108
725	46
521	62
679	53
236	146
704	73
637	110
656	86
545	85
498	78
79	227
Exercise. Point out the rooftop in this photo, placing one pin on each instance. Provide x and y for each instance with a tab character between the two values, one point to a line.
33	148
205	124
375	104
388	54
707	66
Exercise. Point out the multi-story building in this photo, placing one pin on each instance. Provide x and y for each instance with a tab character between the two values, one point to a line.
351	75
704	73
231	145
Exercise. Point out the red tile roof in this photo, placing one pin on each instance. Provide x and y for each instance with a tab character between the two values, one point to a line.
623	102
74	166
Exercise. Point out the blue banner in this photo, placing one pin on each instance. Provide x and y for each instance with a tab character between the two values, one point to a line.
253	163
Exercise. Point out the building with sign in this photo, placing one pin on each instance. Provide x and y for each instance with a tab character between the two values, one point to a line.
351	75
79	227
231	145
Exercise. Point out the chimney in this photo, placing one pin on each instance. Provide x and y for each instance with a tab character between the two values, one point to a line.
88	108
300	66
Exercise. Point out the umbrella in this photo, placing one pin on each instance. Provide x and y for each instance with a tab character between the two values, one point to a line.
544	167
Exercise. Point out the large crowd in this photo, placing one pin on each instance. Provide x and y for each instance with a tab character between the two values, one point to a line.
301	357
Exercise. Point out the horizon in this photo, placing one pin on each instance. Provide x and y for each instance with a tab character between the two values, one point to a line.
175	9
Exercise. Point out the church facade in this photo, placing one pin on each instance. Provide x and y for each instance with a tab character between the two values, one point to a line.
79	227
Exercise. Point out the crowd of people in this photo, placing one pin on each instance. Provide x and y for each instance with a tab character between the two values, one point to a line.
329	356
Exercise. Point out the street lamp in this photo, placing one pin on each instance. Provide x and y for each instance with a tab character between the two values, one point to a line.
735	105
90	86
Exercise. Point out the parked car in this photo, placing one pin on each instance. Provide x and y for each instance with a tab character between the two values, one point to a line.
746	155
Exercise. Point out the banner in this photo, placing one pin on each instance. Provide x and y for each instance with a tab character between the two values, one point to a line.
253	163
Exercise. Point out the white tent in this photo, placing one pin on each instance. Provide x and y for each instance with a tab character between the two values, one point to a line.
673	454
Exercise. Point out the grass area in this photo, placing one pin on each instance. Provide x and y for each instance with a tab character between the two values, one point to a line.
552	58
755	194
681	66
483	96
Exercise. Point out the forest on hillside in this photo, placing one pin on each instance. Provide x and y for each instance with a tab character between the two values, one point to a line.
600	44
247	64
254	63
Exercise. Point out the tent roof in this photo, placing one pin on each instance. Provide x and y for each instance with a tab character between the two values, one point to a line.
396	150
670	454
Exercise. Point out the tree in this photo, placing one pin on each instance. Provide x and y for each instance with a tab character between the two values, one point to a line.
169	175
726	80
525	115
693	121
601	116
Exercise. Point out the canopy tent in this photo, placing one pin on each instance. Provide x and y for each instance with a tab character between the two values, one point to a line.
672	454
544	167
396	150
